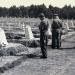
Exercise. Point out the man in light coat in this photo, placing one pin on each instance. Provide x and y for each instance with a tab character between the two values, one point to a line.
56	32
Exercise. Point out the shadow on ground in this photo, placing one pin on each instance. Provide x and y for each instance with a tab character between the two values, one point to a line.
8	66
67	48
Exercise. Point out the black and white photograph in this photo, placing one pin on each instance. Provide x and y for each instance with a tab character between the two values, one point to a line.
37	37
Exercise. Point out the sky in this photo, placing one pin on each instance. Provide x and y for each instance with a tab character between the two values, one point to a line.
57	3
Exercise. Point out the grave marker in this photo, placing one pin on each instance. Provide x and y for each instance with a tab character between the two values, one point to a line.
28	32
3	40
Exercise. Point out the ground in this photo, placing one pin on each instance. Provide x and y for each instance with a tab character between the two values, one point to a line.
59	62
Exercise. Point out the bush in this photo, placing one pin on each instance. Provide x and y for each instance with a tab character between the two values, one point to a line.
34	43
17	37
13	36
9	35
12	49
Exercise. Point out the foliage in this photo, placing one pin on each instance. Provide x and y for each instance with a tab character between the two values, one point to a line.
35	10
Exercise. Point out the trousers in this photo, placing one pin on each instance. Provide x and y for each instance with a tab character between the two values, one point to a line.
43	44
56	39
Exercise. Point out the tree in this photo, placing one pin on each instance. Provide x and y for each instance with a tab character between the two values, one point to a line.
23	11
35	10
14	11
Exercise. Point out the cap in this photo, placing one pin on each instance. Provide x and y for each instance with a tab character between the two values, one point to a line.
55	14
41	15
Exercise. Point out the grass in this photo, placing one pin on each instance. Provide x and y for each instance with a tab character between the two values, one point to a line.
14	26
12	49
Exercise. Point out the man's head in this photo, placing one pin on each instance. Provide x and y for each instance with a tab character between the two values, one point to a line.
41	16
56	16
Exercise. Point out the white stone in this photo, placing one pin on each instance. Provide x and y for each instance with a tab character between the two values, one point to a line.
72	24
66	25
28	32
3	40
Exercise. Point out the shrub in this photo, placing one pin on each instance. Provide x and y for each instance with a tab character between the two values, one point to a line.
34	43
17	37
9	35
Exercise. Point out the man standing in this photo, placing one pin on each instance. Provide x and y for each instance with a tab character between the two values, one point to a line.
43	27
56	32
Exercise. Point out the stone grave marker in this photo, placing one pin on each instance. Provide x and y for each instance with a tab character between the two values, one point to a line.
66	26
28	32
3	40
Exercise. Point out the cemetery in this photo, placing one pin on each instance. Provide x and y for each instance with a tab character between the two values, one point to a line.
23	32
19	40
37	37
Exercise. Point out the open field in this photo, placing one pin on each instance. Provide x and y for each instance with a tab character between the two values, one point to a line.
13	23
14	26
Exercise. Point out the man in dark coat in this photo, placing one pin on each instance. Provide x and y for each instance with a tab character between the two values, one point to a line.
56	32
43	27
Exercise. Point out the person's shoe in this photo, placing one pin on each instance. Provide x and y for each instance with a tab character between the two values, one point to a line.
43	57
1	70
58	47
52	47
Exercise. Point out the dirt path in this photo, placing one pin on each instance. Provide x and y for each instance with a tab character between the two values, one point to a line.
59	62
